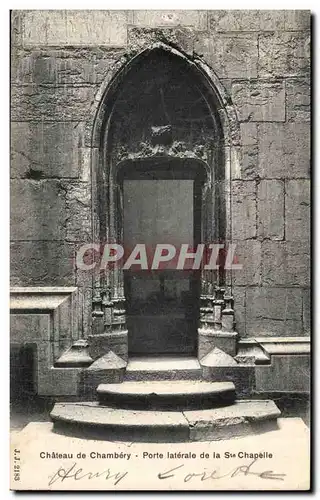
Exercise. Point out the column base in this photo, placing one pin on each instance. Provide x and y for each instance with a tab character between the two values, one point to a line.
209	339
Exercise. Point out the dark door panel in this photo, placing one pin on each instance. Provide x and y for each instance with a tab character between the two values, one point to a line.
162	305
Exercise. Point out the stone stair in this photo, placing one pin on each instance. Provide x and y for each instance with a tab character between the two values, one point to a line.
163	368
167	395
165	411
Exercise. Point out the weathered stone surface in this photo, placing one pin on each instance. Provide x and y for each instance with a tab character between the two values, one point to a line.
273	327
285	263
239	295
51	103
246	20
154	18
259	101
292	374
243	209
109	361
217	357
131	424
271	209
75	356
284	150
59	382
249	152
306	305
116	342
166	394
249	256
238	419
75	27
298	210
77	65
163	368
42	150
297	19
78	211
298	263
140	38
241	375
42	263
298	100
85	304
284	54
249	134
230	56
249	162
274	265
37	210
273	303
26	327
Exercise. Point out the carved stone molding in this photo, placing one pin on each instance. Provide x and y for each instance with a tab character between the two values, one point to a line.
259	350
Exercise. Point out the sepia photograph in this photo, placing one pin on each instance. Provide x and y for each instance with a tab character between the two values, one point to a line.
160	247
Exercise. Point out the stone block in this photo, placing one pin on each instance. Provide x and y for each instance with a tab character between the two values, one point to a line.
246	20
306	310
284	54
298	94
242	376
59	382
274	327
297	205
248	254
271	209
140	38
274	304
249	162
249	152
230	56
45	204
243	209
75	27
284	150
285	263
116	342
297	20
42	263
76	65
298	263
274	263
286	374
44	150
29	328
259	101
154	18
78	211
249	134
51	103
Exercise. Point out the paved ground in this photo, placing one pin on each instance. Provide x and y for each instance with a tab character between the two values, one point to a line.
275	460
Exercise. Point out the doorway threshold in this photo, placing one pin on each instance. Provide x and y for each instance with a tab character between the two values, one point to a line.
163	367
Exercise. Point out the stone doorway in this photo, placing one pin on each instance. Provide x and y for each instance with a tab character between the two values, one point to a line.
159	122
162	205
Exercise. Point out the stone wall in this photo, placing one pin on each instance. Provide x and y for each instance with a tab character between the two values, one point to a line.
59	61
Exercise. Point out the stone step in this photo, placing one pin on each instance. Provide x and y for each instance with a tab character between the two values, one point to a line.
167	394
92	420
163	368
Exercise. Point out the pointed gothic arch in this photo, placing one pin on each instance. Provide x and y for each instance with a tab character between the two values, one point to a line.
145	112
